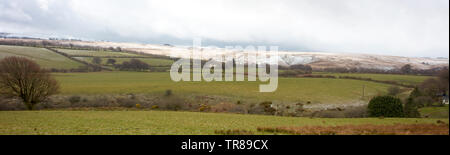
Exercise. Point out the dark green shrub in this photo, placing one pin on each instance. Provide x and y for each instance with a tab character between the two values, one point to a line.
386	106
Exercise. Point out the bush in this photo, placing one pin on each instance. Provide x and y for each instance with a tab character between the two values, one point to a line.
386	106
267	106
10	104
204	107
127	102
228	107
155	107
356	112
423	101
168	93
133	65
172	103
74	99
432	87
255	109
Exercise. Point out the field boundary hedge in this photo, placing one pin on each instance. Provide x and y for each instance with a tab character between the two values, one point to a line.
77	60
356	78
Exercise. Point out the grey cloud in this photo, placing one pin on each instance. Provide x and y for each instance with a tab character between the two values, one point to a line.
393	27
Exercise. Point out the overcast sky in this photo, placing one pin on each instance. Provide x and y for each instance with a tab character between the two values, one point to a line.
394	27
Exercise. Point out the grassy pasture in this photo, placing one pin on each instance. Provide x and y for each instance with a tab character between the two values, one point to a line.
404	79
43	57
316	90
164	122
434	112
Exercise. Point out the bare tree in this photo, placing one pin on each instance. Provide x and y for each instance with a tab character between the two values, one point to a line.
444	78
23	78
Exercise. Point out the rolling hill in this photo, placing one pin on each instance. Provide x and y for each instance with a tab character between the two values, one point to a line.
42	56
317	60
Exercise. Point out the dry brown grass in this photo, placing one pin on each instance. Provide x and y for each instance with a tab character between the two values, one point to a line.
368	129
233	132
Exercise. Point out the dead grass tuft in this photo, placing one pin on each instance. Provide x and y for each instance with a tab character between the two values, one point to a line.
233	132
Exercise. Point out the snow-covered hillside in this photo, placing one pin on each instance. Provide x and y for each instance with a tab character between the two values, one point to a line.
314	59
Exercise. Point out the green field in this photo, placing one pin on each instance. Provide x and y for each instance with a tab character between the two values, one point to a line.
289	89
316	90
403	79
434	112
90	53
161	122
43	57
150	61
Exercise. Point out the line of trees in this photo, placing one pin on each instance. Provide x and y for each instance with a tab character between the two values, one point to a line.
435	88
86	68
133	65
426	94
295	70
52	43
406	69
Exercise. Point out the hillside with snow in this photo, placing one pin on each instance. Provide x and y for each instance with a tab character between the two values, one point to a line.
318	60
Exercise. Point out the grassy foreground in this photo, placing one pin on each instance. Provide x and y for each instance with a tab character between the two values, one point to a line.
162	122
